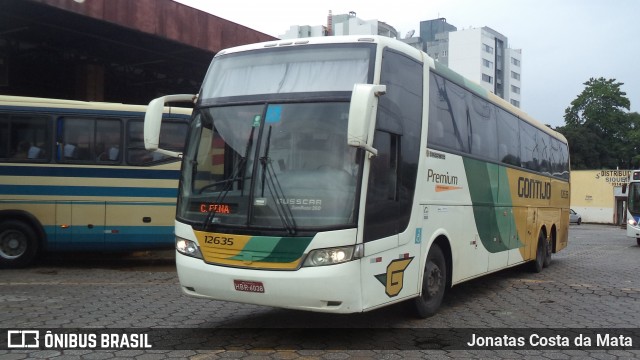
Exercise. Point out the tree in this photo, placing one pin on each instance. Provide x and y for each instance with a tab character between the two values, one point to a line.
599	128
585	147
632	143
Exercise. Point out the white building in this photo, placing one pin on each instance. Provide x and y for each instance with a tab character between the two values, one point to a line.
479	54
513	71
482	55
304	31
344	24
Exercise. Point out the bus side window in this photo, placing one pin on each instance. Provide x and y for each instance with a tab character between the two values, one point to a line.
108	141
22	150
382	209
172	137
508	138
75	139
4	136
83	147
28	137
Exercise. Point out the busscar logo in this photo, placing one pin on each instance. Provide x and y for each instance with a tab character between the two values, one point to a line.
394	277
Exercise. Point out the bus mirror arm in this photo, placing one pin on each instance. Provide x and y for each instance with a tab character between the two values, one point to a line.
153	121
364	104
170	153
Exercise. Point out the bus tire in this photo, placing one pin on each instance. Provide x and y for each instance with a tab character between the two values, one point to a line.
18	244
434	284
638	241
547	253
538	262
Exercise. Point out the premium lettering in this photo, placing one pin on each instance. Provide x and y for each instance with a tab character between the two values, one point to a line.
447	179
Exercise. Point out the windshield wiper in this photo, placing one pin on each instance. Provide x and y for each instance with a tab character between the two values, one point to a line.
275	189
229	181
237	175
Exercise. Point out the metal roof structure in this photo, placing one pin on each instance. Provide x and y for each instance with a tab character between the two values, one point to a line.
126	51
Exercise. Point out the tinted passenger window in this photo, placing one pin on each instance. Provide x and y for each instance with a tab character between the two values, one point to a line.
24	138
172	137
448	116
508	138
482	127
561	166
108	141
89	140
462	122
529	147
4	136
74	143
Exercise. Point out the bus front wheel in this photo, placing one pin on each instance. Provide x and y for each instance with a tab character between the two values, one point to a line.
433	284
18	244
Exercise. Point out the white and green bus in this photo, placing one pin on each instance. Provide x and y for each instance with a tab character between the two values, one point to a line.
75	176
633	205
343	174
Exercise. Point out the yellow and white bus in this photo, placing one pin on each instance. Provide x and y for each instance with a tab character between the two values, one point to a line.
343	174
75	176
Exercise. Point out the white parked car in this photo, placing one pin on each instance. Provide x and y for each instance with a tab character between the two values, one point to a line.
574	217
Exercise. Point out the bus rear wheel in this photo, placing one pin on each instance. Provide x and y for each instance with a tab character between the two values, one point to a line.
541	253
18	244
548	252
433	284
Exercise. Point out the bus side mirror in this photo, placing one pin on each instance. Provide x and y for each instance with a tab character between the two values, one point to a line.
153	121
364	103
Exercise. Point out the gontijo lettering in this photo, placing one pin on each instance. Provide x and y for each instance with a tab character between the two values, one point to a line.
534	189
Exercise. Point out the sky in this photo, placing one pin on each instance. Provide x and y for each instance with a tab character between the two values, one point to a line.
564	42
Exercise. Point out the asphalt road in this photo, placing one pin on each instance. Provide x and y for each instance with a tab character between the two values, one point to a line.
591	289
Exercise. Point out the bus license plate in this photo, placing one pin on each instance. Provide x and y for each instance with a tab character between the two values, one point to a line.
248	286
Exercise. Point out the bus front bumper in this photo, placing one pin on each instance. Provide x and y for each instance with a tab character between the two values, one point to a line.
333	288
633	231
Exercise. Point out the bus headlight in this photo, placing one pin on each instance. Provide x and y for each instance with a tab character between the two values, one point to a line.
331	256
632	222
188	247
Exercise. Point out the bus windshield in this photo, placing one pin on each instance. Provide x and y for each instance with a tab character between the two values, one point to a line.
634	198
288	70
276	166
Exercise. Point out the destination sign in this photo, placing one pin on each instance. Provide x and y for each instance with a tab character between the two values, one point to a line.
216	208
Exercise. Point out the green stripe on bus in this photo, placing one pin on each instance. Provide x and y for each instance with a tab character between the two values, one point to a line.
492	210
274	249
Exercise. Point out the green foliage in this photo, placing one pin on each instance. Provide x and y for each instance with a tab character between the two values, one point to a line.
602	134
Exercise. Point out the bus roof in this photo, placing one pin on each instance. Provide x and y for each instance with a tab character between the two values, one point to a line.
23	101
384	41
